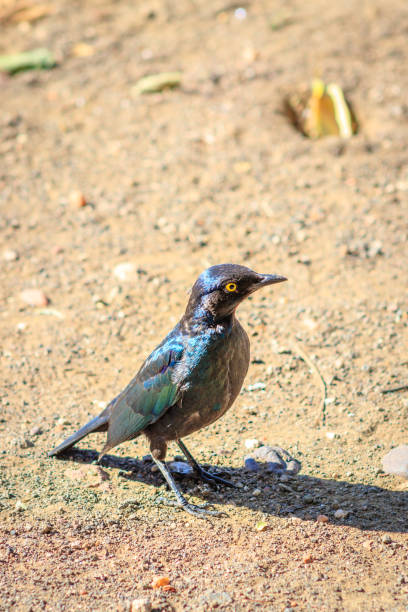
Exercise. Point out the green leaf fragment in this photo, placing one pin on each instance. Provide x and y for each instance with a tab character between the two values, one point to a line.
37	59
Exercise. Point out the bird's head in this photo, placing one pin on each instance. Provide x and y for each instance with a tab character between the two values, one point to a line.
220	289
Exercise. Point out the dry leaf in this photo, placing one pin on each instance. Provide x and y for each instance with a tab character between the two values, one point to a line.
322	112
160	581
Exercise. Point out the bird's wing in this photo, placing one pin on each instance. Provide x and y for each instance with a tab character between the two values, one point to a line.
147	397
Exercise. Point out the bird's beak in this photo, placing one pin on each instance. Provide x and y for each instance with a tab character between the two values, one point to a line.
266	279
270	279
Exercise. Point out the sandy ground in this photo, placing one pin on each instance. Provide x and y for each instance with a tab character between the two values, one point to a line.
174	182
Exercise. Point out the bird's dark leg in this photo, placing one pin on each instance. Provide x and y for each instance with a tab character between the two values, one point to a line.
206	476
181	500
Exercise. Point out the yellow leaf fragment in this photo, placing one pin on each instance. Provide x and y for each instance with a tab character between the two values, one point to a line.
328	112
261	526
157	82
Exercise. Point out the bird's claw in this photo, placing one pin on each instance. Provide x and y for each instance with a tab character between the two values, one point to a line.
198	511
214	479
201	511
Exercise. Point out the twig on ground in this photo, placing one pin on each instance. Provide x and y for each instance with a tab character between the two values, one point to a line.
323	385
395	389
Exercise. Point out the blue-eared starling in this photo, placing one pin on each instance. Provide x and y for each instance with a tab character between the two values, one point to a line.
190	380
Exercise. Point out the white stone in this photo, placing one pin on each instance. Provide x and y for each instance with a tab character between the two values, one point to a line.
396	461
141	605
252	443
339	514
125	271
10	255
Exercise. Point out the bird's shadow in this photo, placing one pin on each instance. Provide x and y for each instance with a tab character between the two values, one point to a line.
358	505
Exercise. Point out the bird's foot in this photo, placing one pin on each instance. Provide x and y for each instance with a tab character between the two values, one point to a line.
206	476
198	511
213	478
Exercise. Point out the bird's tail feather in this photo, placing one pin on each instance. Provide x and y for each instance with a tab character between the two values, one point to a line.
99	423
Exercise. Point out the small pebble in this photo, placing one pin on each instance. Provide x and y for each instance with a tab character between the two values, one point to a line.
240	13
125	271
339	514
259	386
374	248
386	539
180	467
129	502
275	459
82	49
250	54
242	167
77	199
10	255
36	431
251	464
396	461
34	297
256	492
252	443
26	443
62	422
141	605
322	518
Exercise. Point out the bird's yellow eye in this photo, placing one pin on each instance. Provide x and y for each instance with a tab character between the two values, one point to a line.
231	287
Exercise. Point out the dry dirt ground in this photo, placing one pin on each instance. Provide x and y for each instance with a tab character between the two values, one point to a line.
176	181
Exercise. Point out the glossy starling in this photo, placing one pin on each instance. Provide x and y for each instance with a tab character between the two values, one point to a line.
190	380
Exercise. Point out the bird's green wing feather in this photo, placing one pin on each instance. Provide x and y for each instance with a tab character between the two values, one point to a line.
147	397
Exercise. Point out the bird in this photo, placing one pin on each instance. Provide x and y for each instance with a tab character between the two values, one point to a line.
189	380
